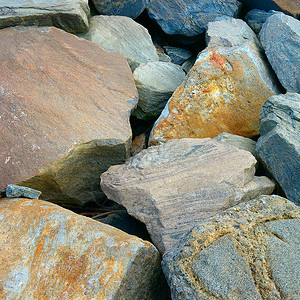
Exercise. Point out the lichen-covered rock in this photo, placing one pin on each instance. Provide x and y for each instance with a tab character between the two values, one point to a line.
250	251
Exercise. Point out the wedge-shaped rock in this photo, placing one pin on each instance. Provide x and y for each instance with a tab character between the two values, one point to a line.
69	15
48	252
176	185
250	251
223	92
64	106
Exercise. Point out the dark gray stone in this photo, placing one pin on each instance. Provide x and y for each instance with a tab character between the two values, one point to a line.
15	191
178	55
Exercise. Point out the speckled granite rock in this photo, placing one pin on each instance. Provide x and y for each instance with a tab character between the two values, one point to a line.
250	251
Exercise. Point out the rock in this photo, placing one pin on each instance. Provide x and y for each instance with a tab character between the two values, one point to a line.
223	92
138	144
280	37
53	253
65	106
155	82
188	64
69	15
176	185
190	17
15	191
279	144
178	55
124	35
250	251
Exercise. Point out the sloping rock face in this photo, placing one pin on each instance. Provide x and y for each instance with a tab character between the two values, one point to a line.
250	251
176	185
57	96
279	144
223	92
280	37
69	15
48	252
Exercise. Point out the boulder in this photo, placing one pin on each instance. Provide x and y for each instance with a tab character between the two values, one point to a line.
69	15
280	37
178	55
223	92
64	106
279	144
53	253
176	185
250	251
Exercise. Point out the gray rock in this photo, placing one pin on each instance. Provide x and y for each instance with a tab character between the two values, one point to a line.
279	144
178	55
15	191
280	37
188	64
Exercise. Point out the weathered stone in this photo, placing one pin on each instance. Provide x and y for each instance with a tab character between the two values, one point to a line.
51	253
176	185
279	144
15	191
280	37
138	144
155	82
178	55
64	106
124	35
187	65
223	92
69	15
249	251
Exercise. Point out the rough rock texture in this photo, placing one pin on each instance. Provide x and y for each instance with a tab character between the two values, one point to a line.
155	82
250	251
223	92
57	97
178	55
48	252
176	185
279	144
124	35
190	17
69	15
16	191
280	37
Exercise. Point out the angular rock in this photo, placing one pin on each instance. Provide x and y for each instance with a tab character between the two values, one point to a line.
178	55
64	106
155	82
53	253
15	191
138	144
280	37
223	92
176	185
69	15
124	35
250	251
279	144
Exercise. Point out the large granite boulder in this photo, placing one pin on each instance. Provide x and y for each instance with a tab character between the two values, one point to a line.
65	106
223	92
250	251
69	15
280	37
48	252
176	185
279	144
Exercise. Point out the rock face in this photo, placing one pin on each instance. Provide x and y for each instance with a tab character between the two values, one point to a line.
279	144
223	92
250	251
280	37
53	253
178	55
56	101
69	15
176	185
124	35
256	18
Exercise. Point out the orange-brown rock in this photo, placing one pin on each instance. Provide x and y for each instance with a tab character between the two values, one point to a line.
223	92
64	107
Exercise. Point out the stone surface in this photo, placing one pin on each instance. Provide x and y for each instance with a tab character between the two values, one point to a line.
48	252
223	92
69	15
178	55
124	35
155	82
280	37
138	144
176	185
279	144
190	17
57	98
15	191
249	251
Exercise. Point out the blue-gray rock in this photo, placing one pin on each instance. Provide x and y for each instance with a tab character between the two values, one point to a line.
279	144
178	55
15	191
280	37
